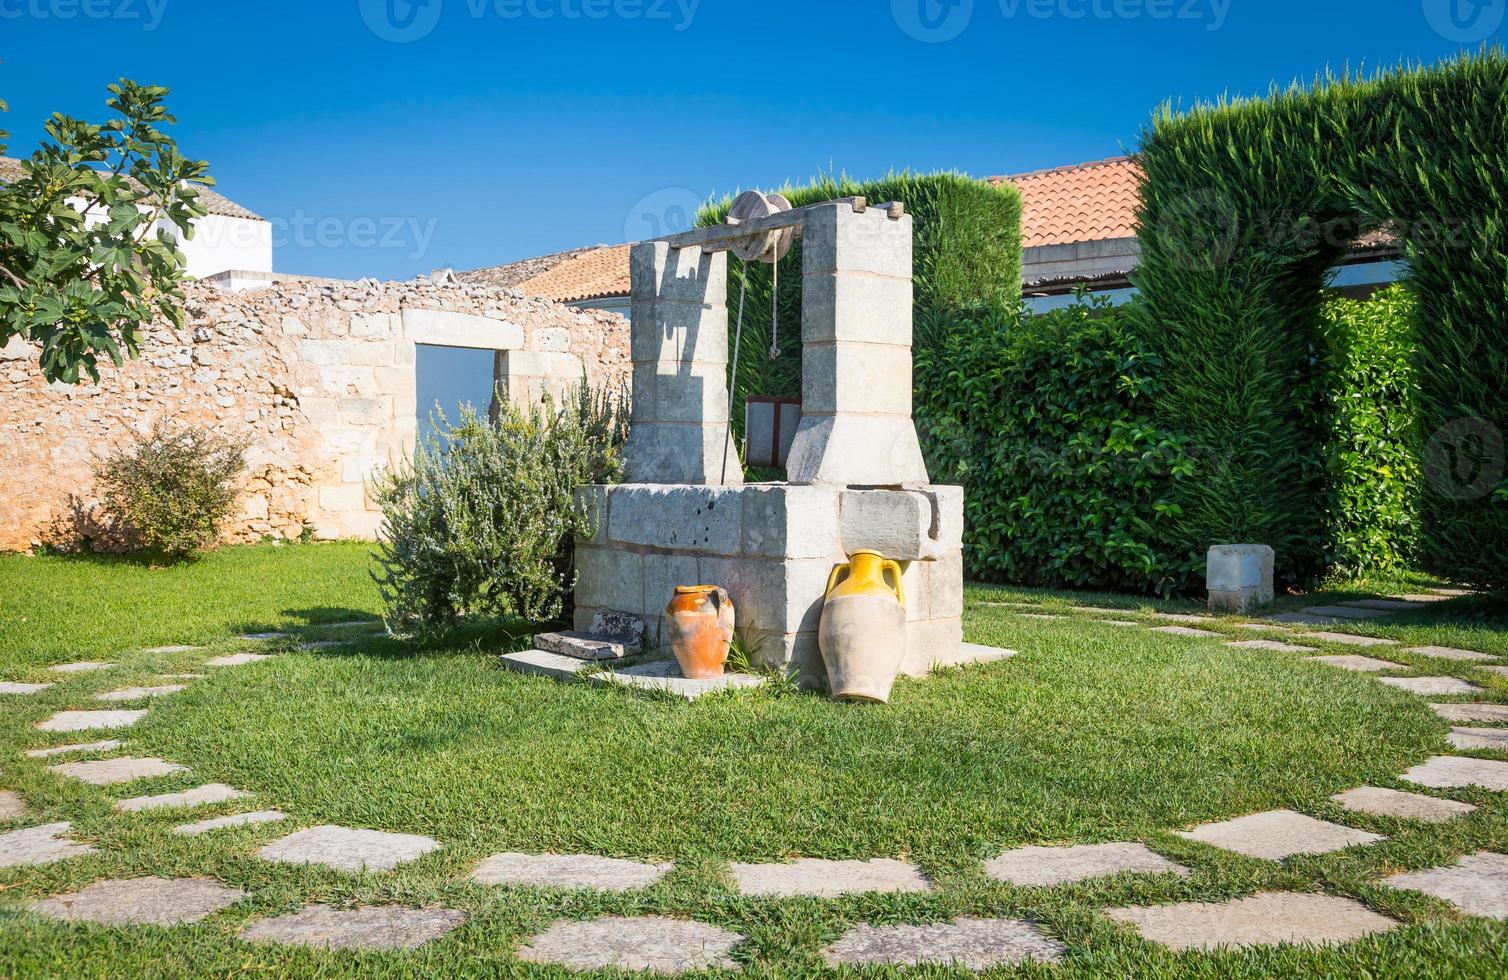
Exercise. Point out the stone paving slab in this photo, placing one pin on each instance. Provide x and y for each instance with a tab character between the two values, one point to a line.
1430	686
140	693
1477	884
671	946
568	871
348	849
1388	605
975	655
974	944
82	667
1458	772
1262	627
1278	835
384	927
263	637
12	807
1491	739
1500	671
1038	867
544	664
1272	645
1427	598
142	902
815	878
200	796
1305	619
39	845
10	687
172	649
110	772
1361	665
1350	639
83	721
237	659
1185	618
1044	617
665	675
1402	806
1118	622
1472	712
236	820
1185	631
1451	653
1347	612
1264	919
108	745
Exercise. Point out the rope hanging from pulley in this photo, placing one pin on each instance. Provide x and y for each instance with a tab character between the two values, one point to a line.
769	247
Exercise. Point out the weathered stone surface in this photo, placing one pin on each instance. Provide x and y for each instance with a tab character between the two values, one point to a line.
200	796
82	667
1239	577
1350	639
445	328
1473	712
974	944
1305	619
171	649
108	745
12	807
238	820
1402	806
39	845
9	687
896	523
386	927
83	721
607	622
1118	622
141	693
555	666
1450	653
1477	884
1361	665
568	871
1431	685
345	849
110	772
828	879
263	637
1188	631
665	675
1387	605
142	902
1500	671
1272	645
1455	772
791	522
973	654
1491	739
237	659
1038	867
671	946
1347	612
1265	919
1278	835
1187	619
589	646
1044	617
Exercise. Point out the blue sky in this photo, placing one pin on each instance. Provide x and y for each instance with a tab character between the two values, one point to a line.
388	138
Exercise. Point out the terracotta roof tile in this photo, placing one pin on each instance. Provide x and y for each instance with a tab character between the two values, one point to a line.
213	200
1087	203
566	277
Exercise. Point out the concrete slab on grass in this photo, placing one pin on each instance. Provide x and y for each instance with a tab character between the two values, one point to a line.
111	772
1278	835
1458	772
1402	806
12	807
1350	639
568	871
142	902
348	849
1430	686
973	944
83	721
1477	884
1361	665
39	845
141	693
1451	653
108	745
1490	739
201	796
670	946
10	687
383	927
1272	645
1041	867
1492	713
237	820
814	878
1264	919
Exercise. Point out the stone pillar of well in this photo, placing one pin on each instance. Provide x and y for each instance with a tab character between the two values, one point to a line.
856	427
679	429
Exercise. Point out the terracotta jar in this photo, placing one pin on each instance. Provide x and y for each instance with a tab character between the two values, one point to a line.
700	621
863	632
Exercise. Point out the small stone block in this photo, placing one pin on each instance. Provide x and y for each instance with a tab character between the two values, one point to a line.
1477	884
212	793
607	622
83	721
142	902
1500	671
1497	713
1265	919
177	649
109	745
1402	806
1040	867
1387	605
552	665
1431	685
1456	772
237	659
665	675
238	820
1305	619
345	849
973	944
1187	619
972	655
12	807
39	845
1272	645
1491	739
1278	835
261	637
1351	639
575	871
387	927
1450	653
671	946
589	646
8	687
139	693
110	772
1188	631
828	879
82	667
1361	665
1346	612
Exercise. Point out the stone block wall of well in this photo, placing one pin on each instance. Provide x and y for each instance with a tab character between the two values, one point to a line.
319	378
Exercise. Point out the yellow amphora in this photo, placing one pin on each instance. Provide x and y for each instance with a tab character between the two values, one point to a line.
863	633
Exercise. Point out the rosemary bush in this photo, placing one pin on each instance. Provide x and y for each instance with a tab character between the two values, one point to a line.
168	491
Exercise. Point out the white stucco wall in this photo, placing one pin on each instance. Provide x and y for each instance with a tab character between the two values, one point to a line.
220	244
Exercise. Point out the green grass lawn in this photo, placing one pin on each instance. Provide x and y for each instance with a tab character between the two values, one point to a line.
1094	733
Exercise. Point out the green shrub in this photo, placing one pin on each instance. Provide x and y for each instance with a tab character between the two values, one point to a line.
483	520
168	491
1047	423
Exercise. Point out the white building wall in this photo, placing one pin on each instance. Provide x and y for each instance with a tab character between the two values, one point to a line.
221	244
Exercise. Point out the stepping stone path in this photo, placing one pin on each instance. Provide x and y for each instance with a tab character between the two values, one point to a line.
142	902
1040	867
568	872
258	637
1455	772
1472	712
975	944
1347	612
1184	618
139	693
672	946
109	745
812	878
1361	665
239	820
1305	619
82	667
237	659
1492	739
659	675
179	649
1431	685
387	927
1476	884
1119	622
1402	806
1184	631
1278	835
39	845
1350	639
83	721
111	772
1265	919
1272	645
1045	617
1390	605
1450	653
345	849
213	793
8	687
12	807
1500	671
